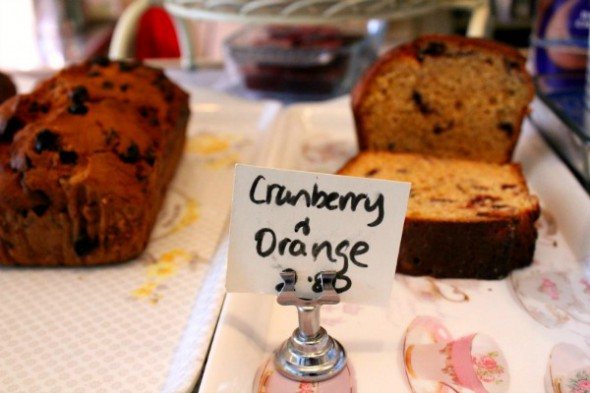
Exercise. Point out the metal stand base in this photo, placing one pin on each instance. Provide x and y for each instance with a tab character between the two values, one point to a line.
308	360
310	354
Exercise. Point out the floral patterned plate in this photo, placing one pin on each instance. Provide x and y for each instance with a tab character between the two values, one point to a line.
568	370
269	380
321	137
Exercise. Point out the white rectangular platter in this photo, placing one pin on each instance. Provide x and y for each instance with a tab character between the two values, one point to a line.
145	325
320	137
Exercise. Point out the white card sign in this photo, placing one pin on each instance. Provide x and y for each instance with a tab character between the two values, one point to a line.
313	222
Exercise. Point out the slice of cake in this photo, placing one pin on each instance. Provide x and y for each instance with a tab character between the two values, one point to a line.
446	96
465	219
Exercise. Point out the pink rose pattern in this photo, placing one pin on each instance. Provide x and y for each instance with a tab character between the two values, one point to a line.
586	285
307	387
487	368
448	368
580	383
549	287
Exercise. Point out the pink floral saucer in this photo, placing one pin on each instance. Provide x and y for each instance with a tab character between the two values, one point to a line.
437	363
568	370
554	298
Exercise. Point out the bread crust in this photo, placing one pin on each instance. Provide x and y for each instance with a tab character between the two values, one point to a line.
90	193
483	250
410	53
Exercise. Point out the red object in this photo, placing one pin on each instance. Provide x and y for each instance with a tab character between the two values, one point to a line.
156	36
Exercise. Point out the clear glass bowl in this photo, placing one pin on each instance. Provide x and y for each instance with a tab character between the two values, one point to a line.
298	60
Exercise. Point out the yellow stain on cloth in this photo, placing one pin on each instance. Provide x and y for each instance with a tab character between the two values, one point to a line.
224	162
217	151
145	290
189	215
164	268
207	144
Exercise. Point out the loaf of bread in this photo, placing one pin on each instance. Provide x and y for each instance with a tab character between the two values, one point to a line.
85	160
445	96
465	218
7	88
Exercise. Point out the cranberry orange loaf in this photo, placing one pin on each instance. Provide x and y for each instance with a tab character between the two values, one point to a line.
445	96
85	160
465	218
7	88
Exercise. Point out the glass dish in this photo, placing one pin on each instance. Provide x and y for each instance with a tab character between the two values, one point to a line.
304	61
560	116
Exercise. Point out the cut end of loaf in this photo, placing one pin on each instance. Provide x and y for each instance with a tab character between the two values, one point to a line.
450	189
465	219
445	96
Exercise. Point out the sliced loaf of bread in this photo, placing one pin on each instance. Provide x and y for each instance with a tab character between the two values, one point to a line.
445	96
465	219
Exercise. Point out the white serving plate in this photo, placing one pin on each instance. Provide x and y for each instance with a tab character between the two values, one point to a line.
320	137
146	325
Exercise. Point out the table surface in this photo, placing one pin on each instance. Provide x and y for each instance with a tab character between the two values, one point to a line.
210	76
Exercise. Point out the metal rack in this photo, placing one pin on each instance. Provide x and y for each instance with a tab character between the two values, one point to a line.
298	11
284	12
